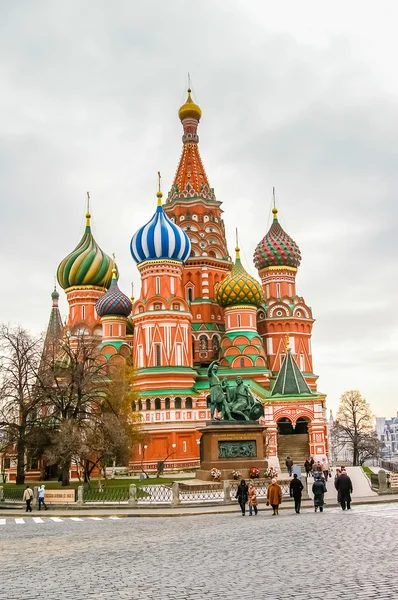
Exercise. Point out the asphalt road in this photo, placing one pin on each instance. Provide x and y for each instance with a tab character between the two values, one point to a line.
336	554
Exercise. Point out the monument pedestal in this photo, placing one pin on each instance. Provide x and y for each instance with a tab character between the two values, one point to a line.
231	446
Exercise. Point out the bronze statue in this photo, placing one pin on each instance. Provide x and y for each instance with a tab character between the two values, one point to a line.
232	404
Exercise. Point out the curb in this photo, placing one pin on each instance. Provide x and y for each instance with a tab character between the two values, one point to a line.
135	513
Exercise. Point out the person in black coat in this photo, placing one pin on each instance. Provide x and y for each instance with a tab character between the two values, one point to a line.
318	489
242	495
296	488
307	467
343	486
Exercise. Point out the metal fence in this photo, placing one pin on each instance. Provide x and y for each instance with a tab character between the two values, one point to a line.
13	494
110	495
389	466
213	492
261	486
154	494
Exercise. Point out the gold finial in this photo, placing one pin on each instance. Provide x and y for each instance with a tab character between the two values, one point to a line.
237	249
159	193
287	343
132	292
114	270
274	210
88	216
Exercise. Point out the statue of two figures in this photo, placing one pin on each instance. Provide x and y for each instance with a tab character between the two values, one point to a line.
232	403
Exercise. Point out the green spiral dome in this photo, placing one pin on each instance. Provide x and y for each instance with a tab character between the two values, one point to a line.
86	265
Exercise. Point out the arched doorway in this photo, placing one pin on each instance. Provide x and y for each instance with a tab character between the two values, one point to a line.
293	441
285	426
302	425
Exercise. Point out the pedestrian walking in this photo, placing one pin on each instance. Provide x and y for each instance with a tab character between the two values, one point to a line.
41	494
296	488
318	489
242	495
307	467
344	490
289	465
274	496
325	469
252	496
314	469
28	497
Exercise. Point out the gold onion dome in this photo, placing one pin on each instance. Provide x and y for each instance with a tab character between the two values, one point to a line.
87	264
239	288
189	110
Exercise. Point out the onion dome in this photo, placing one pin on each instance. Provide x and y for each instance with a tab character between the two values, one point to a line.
189	110
55	294
160	238
87	265
114	303
239	287
277	248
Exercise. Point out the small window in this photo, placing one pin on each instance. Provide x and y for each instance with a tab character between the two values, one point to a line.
111	330
176	306
83	312
139	404
157	284
148	405
7	462
184	446
278	290
188	403
203	343
238	320
157	306
157	404
167	404
178	355
177	403
190	294
242	362
133	407
158	355
141	309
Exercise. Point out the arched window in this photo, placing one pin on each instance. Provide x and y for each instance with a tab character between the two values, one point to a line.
242	362
133	406
203	343
157	404
177	403
188	403
215	342
189	294
139	405
167	404
148	405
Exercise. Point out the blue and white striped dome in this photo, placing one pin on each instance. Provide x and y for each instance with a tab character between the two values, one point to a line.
160	238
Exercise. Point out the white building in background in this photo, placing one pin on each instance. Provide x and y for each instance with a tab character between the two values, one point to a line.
387	432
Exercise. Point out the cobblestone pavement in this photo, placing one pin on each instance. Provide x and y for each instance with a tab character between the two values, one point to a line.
330	555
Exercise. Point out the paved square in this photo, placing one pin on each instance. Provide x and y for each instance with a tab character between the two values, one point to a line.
309	556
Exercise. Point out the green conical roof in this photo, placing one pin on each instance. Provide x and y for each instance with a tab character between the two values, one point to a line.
290	380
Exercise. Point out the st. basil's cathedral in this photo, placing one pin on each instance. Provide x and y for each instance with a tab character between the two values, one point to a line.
197	305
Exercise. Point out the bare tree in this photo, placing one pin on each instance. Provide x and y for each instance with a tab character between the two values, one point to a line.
20	415
91	400
354	428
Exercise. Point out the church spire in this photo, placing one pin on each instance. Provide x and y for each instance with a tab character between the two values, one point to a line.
190	180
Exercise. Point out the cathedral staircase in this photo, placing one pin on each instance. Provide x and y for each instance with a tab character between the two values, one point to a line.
295	445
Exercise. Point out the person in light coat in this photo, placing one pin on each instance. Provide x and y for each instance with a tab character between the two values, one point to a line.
28	497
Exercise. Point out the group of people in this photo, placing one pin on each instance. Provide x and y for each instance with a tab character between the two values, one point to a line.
342	483
28	497
247	494
314	468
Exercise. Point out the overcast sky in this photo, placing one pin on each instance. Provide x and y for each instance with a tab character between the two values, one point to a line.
297	95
